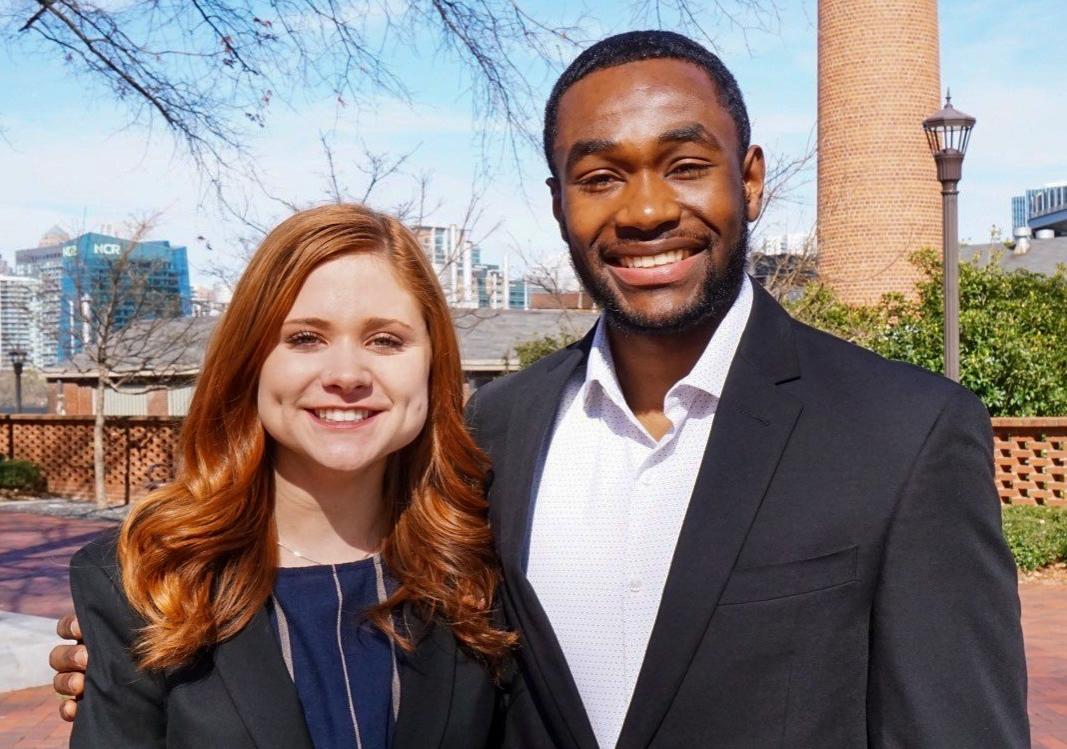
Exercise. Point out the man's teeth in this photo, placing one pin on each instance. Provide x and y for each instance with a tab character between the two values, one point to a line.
651	261
342	414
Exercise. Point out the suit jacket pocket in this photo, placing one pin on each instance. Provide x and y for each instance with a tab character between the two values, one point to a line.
767	582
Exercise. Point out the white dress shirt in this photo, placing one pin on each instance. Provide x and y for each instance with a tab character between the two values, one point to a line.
608	510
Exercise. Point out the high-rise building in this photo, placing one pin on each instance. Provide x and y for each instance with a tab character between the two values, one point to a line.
1043	208
76	279
878	195
1020	216
20	326
468	283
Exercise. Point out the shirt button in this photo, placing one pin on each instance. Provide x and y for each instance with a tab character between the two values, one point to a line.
645	479
635	584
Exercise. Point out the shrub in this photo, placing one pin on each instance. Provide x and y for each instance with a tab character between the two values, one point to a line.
1013	331
21	475
538	348
1037	536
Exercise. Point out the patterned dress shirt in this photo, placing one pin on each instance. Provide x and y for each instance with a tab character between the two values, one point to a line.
608	509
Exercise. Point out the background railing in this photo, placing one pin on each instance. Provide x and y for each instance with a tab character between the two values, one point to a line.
1030	455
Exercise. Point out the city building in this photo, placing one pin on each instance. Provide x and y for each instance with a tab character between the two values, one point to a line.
878	195
1020	214
1042	209
20	319
793	243
210	301
76	280
468	283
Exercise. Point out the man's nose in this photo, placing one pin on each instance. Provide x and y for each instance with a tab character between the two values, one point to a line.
648	204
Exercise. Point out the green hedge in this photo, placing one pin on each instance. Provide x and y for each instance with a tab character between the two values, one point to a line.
1037	536
21	475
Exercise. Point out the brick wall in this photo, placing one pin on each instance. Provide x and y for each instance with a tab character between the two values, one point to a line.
1030	455
138	449
878	195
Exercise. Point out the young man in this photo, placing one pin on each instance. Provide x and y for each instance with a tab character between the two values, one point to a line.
720	527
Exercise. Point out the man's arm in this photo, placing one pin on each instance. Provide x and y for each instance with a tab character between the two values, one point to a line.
123	704
69	661
947	667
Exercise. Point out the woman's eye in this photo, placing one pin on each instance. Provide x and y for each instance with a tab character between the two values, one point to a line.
383	341
303	338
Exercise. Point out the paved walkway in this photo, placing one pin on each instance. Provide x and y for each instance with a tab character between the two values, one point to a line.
34	551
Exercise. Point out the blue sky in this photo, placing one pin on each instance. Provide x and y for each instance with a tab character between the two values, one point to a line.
69	156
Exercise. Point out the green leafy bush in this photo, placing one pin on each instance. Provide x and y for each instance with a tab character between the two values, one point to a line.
538	348
1013	331
21	475
1037	536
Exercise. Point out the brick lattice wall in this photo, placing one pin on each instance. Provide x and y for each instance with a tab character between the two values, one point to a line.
1030	455
878	195
138	450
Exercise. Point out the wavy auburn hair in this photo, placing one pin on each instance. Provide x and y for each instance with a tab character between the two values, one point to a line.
198	556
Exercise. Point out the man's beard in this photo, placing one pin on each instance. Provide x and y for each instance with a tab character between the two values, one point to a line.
717	293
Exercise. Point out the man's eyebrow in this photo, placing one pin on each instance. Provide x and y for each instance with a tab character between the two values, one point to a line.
694	132
583	148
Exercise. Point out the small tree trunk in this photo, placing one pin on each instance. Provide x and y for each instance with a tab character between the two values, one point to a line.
99	468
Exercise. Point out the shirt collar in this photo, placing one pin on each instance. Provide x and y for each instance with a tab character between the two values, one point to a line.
709	372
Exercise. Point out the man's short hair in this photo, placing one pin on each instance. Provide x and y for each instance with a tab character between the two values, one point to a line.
633	46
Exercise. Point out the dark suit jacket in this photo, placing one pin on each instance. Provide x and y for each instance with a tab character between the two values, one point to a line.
840	579
239	695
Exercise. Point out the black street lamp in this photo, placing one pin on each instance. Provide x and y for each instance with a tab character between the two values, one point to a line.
948	133
18	358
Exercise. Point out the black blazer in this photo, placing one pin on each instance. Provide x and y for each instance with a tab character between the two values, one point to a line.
239	695
840	579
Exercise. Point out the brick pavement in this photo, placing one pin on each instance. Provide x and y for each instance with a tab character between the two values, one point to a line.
34	553
1045	630
29	718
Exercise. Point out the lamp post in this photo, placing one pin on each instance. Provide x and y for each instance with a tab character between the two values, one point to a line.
18	358
948	133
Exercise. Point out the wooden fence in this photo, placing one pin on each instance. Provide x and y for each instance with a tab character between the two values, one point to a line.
1030	454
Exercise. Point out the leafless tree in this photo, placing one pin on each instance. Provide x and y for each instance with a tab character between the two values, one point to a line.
123	328
209	70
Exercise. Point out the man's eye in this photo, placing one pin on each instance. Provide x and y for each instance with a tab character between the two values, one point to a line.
596	182
690	169
303	338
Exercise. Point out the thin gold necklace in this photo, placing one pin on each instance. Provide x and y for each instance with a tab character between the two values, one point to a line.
299	555
306	558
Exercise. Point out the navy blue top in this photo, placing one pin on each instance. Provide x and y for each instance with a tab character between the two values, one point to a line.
323	608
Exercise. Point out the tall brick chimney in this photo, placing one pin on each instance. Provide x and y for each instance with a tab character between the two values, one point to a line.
878	195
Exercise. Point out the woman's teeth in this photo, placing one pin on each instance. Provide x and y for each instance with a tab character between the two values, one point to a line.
651	261
342	414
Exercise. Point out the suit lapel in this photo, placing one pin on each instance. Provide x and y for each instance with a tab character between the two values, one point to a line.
254	673
427	678
752	425
511	505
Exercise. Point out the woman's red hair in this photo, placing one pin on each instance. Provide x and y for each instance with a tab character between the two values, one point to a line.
198	557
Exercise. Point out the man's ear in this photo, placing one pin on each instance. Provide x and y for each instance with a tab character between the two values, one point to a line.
557	206
753	174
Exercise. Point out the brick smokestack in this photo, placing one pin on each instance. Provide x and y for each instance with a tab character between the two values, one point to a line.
878	195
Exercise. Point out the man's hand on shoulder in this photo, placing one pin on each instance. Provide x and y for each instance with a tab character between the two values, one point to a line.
69	661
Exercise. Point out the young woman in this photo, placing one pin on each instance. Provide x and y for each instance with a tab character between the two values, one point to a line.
320	573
